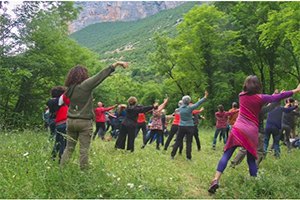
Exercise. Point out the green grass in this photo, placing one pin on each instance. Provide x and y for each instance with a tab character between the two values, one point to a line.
153	174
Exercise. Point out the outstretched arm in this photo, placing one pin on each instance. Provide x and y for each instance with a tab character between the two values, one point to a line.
162	106
193	107
94	81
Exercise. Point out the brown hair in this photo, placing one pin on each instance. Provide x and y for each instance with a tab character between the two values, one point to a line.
221	108
252	85
57	91
76	75
120	109
132	101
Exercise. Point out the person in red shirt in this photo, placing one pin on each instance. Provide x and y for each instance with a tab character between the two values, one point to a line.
174	128
141	124
222	117
60	124
100	120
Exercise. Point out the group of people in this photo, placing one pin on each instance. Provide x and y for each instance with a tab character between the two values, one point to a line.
73	120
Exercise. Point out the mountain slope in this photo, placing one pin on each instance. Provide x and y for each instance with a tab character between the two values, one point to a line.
131	41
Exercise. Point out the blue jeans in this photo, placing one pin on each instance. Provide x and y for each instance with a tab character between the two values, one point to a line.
52	126
276	137
60	141
223	131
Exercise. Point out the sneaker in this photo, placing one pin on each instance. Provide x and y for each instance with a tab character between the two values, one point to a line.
199	149
271	150
143	147
213	148
189	160
172	157
213	186
157	148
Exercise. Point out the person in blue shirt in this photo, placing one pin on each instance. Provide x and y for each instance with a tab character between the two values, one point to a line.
186	125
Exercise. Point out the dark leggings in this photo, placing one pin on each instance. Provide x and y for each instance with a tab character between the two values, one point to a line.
227	155
100	126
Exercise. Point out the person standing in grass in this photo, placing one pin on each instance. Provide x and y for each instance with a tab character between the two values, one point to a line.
157	126
232	118
273	127
186	125
196	118
174	128
261	136
141	124
245	131
59	111
100	119
222	117
287	122
129	124
80	114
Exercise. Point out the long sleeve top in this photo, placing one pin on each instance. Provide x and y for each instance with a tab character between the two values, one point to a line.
80	95
196	118
263	111
288	119
222	118
245	130
186	113
100	113
132	113
274	117
232	118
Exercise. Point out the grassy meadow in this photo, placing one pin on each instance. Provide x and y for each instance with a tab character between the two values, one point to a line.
27	171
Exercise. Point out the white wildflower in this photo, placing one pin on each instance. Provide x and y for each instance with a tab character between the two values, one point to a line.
141	186
26	154
130	185
118	179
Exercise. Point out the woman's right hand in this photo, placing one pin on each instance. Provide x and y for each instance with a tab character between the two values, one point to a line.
206	94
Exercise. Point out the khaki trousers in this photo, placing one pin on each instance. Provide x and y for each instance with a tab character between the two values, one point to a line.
78	130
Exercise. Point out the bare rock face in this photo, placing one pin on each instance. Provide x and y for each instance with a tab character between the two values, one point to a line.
110	11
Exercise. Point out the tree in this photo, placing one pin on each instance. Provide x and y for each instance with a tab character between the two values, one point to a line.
246	17
46	56
283	27
201	57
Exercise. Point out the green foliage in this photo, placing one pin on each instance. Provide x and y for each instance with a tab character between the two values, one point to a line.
132	41
28	172
183	51
28	75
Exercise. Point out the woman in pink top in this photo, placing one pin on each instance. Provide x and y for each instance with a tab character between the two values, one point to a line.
221	124
245	130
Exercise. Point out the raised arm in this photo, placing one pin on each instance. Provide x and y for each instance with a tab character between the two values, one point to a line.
162	106
194	106
94	81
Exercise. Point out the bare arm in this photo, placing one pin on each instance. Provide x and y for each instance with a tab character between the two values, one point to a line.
162	106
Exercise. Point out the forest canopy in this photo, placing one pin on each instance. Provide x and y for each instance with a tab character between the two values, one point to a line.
198	47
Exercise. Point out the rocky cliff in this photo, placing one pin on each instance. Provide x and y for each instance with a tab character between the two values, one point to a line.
110	11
